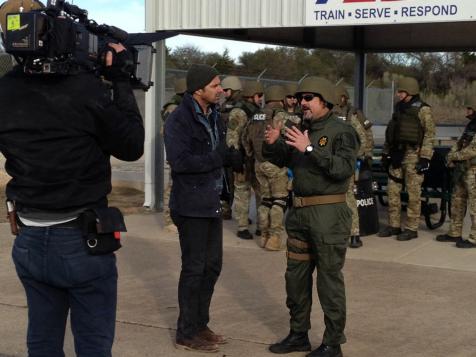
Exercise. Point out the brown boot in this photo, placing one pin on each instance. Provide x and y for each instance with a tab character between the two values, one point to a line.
210	336
273	243
264	239
195	344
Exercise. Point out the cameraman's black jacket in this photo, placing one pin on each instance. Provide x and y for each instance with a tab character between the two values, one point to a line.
57	134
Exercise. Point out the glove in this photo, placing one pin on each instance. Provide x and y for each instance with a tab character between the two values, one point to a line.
121	68
422	166
236	160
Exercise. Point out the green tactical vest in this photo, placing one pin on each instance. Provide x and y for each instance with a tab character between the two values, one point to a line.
405	127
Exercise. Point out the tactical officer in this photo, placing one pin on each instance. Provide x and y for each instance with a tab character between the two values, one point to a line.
232	87
180	87
344	111
243	166
273	180
291	106
406	155
322	154
57	148
462	159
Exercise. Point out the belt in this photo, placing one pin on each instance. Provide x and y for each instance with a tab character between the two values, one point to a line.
318	200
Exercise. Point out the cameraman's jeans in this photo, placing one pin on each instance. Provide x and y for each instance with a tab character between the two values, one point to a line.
201	242
59	276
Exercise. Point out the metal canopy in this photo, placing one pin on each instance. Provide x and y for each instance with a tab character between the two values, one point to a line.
428	37
360	26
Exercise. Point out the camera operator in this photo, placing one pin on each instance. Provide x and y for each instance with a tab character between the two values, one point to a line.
57	134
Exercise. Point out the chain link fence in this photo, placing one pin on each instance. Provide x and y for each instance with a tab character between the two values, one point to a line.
378	101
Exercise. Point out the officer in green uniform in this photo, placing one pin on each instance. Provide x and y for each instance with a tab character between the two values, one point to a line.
180	86
322	155
406	154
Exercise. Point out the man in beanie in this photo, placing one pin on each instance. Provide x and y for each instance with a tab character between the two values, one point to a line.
195	147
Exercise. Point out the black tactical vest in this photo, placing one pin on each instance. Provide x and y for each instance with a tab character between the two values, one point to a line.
405	127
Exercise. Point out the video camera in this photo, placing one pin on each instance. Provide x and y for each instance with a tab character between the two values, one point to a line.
60	39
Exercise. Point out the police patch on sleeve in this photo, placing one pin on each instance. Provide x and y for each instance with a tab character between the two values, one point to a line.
323	141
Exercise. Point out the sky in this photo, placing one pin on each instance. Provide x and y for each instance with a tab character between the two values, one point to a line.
129	15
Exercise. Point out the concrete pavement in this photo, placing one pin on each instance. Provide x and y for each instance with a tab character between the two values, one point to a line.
411	298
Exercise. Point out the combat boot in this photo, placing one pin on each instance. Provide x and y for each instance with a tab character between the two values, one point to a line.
273	243
462	243
294	342
355	242
244	234
326	351
171	228
447	238
389	231
264	239
407	235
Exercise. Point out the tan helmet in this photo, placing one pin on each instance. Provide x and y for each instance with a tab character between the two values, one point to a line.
290	89
231	82
251	88
180	85
409	85
12	6
341	91
274	93
318	85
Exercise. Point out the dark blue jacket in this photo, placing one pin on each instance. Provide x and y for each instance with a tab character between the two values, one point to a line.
197	168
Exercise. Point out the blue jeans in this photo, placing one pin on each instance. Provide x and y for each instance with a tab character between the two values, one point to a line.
59	276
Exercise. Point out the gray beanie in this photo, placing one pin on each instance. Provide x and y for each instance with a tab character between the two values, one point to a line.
199	76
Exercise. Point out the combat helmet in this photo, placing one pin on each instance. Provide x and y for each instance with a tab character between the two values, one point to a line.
341	91
231	82
251	88
180	85
12	6
274	93
318	85
290	89
409	85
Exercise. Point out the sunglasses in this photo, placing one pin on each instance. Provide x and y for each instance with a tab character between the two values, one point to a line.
259	95
307	97
290	97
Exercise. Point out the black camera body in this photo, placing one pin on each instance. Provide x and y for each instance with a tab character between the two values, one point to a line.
60	39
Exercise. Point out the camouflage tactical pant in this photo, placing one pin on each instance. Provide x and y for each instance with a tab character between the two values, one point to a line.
352	203
413	183
273	182
317	240
241	200
464	195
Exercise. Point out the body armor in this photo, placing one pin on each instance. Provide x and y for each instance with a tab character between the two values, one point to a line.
405	127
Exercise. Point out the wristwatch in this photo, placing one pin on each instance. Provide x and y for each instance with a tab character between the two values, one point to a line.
309	149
